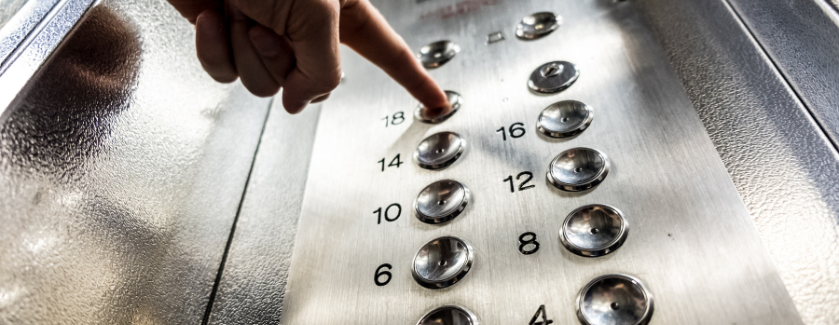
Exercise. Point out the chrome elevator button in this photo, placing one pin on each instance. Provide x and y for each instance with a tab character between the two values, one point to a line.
615	299
437	115
436	54
538	25
442	262
449	315
578	169
439	150
565	119
594	230
442	201
553	77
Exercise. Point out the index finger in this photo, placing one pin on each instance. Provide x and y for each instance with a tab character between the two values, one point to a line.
367	32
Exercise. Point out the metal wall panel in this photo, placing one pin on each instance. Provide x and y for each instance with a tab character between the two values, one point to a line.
256	270
692	240
784	167
802	40
122	165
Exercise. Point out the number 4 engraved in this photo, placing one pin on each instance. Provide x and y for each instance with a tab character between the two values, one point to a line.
545	320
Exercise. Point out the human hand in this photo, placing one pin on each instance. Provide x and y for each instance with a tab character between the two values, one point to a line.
293	44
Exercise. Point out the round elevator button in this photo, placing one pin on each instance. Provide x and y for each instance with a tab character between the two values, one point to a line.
442	262
437	115
578	169
442	201
537	25
436	54
615	299
553	77
439	150
594	230
565	119
449	315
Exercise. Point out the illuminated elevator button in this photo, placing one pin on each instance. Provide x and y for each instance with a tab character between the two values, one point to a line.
578	169
553	77
594	230
538	25
449	315
565	119
615	299
439	150
442	262
437	115
438	53
442	201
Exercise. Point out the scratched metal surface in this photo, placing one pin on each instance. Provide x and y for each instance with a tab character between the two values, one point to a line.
784	167
121	168
692	241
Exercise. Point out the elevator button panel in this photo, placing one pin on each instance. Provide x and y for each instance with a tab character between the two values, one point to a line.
564	119
537	25
578	169
615	299
439	150
594	230
449	315
439	114
437	54
537	241
553	77
442	262
442	201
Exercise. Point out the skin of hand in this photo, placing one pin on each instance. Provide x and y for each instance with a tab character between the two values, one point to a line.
293	44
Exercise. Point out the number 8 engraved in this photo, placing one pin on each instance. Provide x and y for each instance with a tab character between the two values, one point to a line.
530	245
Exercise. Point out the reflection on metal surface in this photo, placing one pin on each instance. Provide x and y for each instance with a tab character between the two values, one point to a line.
564	119
256	270
615	299
594	230
449	315
18	19
578	169
121	169
437	115
436	54
665	170
29	39
553	77
442	262
782	165
8	8
440	150
537	25
442	201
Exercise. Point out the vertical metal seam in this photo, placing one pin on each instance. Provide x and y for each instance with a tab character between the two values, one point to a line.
227	245
833	144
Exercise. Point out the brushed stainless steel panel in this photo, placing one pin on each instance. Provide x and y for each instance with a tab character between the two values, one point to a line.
255	273
803	41
783	166
692	242
122	165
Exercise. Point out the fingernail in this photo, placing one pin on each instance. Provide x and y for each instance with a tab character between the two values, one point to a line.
267	44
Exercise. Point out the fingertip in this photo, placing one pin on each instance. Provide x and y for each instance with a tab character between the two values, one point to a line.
293	105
